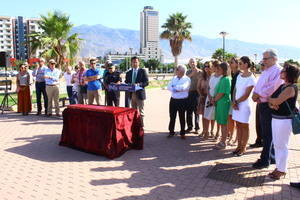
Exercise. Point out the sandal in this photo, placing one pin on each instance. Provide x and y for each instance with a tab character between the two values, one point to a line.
220	145
277	174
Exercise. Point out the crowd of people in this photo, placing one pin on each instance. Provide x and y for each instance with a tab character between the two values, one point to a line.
83	85
223	100
226	100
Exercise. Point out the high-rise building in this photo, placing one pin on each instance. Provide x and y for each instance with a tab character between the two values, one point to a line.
149	34
6	35
14	36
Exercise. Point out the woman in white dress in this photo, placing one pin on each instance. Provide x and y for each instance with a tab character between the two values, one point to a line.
209	109
241	103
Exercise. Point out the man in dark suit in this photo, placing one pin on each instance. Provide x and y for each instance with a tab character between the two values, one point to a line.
139	78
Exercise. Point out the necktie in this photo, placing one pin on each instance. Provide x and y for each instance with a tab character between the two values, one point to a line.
134	76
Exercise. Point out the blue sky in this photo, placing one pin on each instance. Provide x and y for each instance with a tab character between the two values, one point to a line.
259	21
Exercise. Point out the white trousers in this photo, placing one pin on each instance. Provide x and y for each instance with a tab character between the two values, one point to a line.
281	132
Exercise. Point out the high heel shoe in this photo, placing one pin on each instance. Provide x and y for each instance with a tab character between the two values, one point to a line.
277	174
235	151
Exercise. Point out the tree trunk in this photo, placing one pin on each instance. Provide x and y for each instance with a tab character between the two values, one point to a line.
175	63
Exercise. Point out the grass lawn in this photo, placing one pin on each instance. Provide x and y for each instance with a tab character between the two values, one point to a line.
14	96
152	84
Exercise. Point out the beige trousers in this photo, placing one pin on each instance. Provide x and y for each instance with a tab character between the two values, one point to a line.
94	94
138	104
53	95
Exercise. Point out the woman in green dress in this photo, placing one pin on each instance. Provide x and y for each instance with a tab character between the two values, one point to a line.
222	102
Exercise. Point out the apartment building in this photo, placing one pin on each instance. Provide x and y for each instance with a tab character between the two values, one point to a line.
14	36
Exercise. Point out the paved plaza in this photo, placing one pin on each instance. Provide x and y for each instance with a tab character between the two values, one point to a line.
34	166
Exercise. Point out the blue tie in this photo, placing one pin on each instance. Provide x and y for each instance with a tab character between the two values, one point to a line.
134	76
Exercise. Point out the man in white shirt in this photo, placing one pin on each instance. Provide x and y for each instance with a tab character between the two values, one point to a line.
179	87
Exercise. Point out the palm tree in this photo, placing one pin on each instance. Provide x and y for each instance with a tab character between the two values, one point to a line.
176	31
55	38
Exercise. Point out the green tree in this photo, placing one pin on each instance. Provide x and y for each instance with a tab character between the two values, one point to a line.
218	55
176	31
291	61
152	64
55	38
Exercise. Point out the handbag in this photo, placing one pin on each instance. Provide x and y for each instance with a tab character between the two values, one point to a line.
295	120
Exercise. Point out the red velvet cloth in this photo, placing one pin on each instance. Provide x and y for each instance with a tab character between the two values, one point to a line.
103	130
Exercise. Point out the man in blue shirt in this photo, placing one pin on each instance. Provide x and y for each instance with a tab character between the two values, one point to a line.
52	76
92	76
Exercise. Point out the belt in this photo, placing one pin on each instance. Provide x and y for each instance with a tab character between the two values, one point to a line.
281	117
51	85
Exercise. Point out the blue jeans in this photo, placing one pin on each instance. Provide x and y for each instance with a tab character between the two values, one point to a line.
70	94
265	119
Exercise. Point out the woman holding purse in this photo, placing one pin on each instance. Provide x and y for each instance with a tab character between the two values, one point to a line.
282	102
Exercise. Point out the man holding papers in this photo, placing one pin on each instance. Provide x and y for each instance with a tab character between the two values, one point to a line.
139	78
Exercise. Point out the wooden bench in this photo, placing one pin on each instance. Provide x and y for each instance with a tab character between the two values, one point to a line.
63	100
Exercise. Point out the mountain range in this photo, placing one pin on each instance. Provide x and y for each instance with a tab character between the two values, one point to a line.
99	40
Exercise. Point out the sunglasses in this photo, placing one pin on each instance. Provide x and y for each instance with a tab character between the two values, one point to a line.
267	58
93	63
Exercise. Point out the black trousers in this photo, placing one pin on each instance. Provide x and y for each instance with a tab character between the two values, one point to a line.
265	119
40	89
192	103
177	105
113	98
258	126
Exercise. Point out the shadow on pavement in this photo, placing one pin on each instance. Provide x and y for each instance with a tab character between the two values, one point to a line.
171	168
30	119
45	148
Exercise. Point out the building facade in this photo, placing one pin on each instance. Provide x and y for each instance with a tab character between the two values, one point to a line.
14	36
149	34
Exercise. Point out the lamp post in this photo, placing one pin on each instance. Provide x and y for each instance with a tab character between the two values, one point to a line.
223	34
255	57
130	49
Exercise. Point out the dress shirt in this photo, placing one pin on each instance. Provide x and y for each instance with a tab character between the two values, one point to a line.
134	73
54	76
179	87
268	82
39	73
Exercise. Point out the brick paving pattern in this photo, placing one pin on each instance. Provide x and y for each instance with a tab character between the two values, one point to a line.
34	166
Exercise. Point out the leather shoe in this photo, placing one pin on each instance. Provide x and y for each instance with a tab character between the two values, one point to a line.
295	185
256	145
171	134
182	137
259	165
38	113
273	161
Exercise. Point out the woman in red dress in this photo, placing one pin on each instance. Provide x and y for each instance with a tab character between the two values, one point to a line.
23	90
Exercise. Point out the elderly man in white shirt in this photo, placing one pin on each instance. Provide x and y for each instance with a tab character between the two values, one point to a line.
179	87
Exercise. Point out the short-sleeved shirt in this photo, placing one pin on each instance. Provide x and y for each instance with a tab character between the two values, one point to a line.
93	85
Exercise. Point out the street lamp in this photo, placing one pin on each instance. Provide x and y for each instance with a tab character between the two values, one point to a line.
223	34
130	49
255	57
